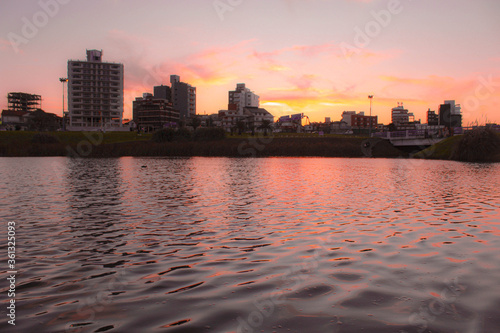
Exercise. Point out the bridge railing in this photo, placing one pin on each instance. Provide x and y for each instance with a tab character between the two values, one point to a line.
425	133
383	135
409	134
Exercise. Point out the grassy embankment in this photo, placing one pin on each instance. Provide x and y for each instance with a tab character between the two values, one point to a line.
479	145
115	144
22	143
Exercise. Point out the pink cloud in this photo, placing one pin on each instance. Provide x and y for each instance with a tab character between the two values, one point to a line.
288	76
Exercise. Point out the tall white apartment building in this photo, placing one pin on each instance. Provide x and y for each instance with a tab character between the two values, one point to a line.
95	93
241	98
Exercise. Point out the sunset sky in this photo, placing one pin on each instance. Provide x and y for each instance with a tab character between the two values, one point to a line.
316	57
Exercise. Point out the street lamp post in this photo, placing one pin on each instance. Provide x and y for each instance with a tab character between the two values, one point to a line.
63	81
371	98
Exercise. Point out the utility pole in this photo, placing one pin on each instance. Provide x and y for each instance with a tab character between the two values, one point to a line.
371	98
63	81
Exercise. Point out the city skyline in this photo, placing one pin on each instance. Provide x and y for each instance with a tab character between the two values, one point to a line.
311	57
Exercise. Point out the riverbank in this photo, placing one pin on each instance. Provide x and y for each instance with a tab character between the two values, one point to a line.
475	146
95	144
479	145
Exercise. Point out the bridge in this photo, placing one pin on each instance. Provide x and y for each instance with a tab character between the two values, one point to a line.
411	138
425	137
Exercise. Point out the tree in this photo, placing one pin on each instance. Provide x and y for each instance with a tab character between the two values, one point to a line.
195	122
240	124
42	121
265	125
325	129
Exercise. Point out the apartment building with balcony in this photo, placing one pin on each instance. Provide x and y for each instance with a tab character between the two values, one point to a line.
95	93
241	98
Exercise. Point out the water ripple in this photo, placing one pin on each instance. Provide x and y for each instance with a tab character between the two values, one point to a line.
278	244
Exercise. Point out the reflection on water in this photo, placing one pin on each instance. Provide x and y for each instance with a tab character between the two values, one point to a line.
252	245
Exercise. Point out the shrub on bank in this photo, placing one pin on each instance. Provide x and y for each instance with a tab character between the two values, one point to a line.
209	133
163	135
481	144
44	138
183	134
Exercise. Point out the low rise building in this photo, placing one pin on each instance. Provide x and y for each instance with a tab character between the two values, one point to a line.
340	127
151	114
210	120
257	118
252	119
230	119
15	120
40	120
402	119
359	120
432	118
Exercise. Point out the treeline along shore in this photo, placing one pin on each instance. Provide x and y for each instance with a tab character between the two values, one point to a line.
481	146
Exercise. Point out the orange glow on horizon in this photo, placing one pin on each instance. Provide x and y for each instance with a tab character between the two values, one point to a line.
295	69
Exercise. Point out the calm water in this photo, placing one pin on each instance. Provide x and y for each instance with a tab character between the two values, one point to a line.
252	245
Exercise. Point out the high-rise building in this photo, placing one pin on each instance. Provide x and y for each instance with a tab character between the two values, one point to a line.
241	98
95	93
450	114
24	102
183	97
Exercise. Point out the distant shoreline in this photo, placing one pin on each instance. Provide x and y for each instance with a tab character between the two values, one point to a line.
99	145
78	144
